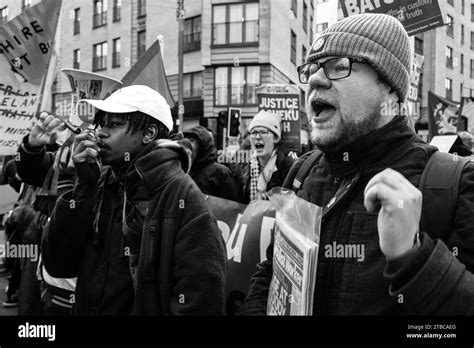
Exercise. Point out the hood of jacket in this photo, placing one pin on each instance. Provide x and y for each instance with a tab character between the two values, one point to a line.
207	151
155	165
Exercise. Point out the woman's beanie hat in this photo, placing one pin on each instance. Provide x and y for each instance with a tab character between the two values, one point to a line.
268	120
379	39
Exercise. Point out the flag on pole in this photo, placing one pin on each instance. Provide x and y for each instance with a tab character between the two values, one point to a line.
150	71
442	115
466	113
25	50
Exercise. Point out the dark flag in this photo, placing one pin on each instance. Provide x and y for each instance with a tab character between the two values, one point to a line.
150	71
442	115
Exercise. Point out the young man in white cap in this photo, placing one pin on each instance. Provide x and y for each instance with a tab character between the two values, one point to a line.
171	239
365	177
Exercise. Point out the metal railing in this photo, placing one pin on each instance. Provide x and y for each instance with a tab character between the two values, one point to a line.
115	59
99	19
239	94
77	27
192	93
99	63
116	15
192	42
238	32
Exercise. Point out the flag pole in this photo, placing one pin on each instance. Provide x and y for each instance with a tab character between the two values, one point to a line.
180	14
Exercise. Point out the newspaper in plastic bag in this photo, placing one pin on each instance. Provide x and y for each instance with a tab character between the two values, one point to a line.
295	254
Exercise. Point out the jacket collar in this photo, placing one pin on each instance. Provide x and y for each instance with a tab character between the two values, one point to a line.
155	165
374	151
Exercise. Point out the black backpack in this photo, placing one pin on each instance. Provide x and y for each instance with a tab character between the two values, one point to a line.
439	184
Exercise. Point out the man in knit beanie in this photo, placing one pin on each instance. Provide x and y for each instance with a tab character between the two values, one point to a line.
380	251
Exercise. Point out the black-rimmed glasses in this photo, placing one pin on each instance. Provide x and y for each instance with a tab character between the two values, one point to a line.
334	69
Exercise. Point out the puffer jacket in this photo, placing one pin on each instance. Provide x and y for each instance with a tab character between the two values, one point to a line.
431	281
212	178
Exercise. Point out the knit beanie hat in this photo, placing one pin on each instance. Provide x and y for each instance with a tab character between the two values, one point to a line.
268	120
378	38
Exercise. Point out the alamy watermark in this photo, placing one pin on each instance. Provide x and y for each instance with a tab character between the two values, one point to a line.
347	251
9	250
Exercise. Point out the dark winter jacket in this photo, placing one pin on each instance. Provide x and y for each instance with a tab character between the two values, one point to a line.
212	178
84	239
432	281
283	164
178	256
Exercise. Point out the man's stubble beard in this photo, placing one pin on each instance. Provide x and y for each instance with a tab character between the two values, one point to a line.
346	133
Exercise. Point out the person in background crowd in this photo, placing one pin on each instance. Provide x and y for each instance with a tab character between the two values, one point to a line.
10	175
268	165
211	177
366	178
43	165
172	260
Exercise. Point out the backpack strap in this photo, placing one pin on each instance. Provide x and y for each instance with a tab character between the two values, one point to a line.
439	185
304	170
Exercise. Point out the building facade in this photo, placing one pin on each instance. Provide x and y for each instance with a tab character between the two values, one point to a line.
230	47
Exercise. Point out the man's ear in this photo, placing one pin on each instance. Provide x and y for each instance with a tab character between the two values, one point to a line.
150	134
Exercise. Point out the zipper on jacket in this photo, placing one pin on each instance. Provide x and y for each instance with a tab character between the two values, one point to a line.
340	194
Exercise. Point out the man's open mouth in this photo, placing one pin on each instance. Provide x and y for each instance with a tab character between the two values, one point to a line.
320	106
259	146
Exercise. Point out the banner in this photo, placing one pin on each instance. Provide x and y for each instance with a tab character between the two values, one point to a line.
283	100
25	50
416	16
467	115
412	98
150	71
247	232
442	115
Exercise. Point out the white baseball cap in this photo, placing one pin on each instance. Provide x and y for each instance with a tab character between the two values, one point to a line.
136	98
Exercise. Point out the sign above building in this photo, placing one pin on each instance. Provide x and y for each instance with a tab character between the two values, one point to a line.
416	16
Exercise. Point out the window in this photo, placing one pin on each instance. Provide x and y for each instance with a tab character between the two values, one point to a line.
99	60
472	40
462	34
4	11
418	45
100	13
303	54
449	26
461	87
294	7
451	2
192	34
448	83
472	68
305	17
192	85
420	88
321	26
116	48
462	6
293	48
76	64
141	8
77	21
236	85
25	4
462	63
141	43
235	24
116	16
311	30
449	57
472	12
